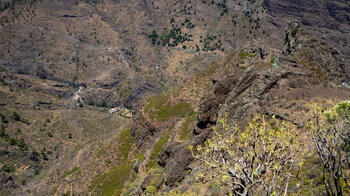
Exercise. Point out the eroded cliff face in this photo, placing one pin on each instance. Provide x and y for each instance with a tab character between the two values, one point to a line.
144	129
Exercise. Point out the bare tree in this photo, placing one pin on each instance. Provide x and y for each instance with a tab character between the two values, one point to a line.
330	132
256	160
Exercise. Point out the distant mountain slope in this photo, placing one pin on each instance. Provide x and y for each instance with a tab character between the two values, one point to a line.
126	48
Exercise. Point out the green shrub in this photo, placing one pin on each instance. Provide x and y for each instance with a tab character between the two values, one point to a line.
259	151
3	133
125	141
151	190
66	193
20	143
75	169
329	133
214	187
112	182
294	32
70	136
160	109
3	118
8	168
12	141
2	81
36	172
243	54
186	127
156	150
15	116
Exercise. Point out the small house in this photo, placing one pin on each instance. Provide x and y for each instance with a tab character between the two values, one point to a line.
114	110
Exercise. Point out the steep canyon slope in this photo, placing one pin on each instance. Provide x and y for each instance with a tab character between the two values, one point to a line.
179	65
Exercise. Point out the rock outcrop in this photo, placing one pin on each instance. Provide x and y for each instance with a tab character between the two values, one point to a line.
240	94
211	104
144	129
328	20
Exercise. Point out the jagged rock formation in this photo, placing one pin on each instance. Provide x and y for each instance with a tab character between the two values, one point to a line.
242	93
211	105
329	20
290	39
143	129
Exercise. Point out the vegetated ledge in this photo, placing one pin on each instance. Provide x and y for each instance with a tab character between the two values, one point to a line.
114	180
161	109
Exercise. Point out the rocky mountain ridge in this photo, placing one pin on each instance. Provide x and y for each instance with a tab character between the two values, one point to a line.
196	62
240	93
